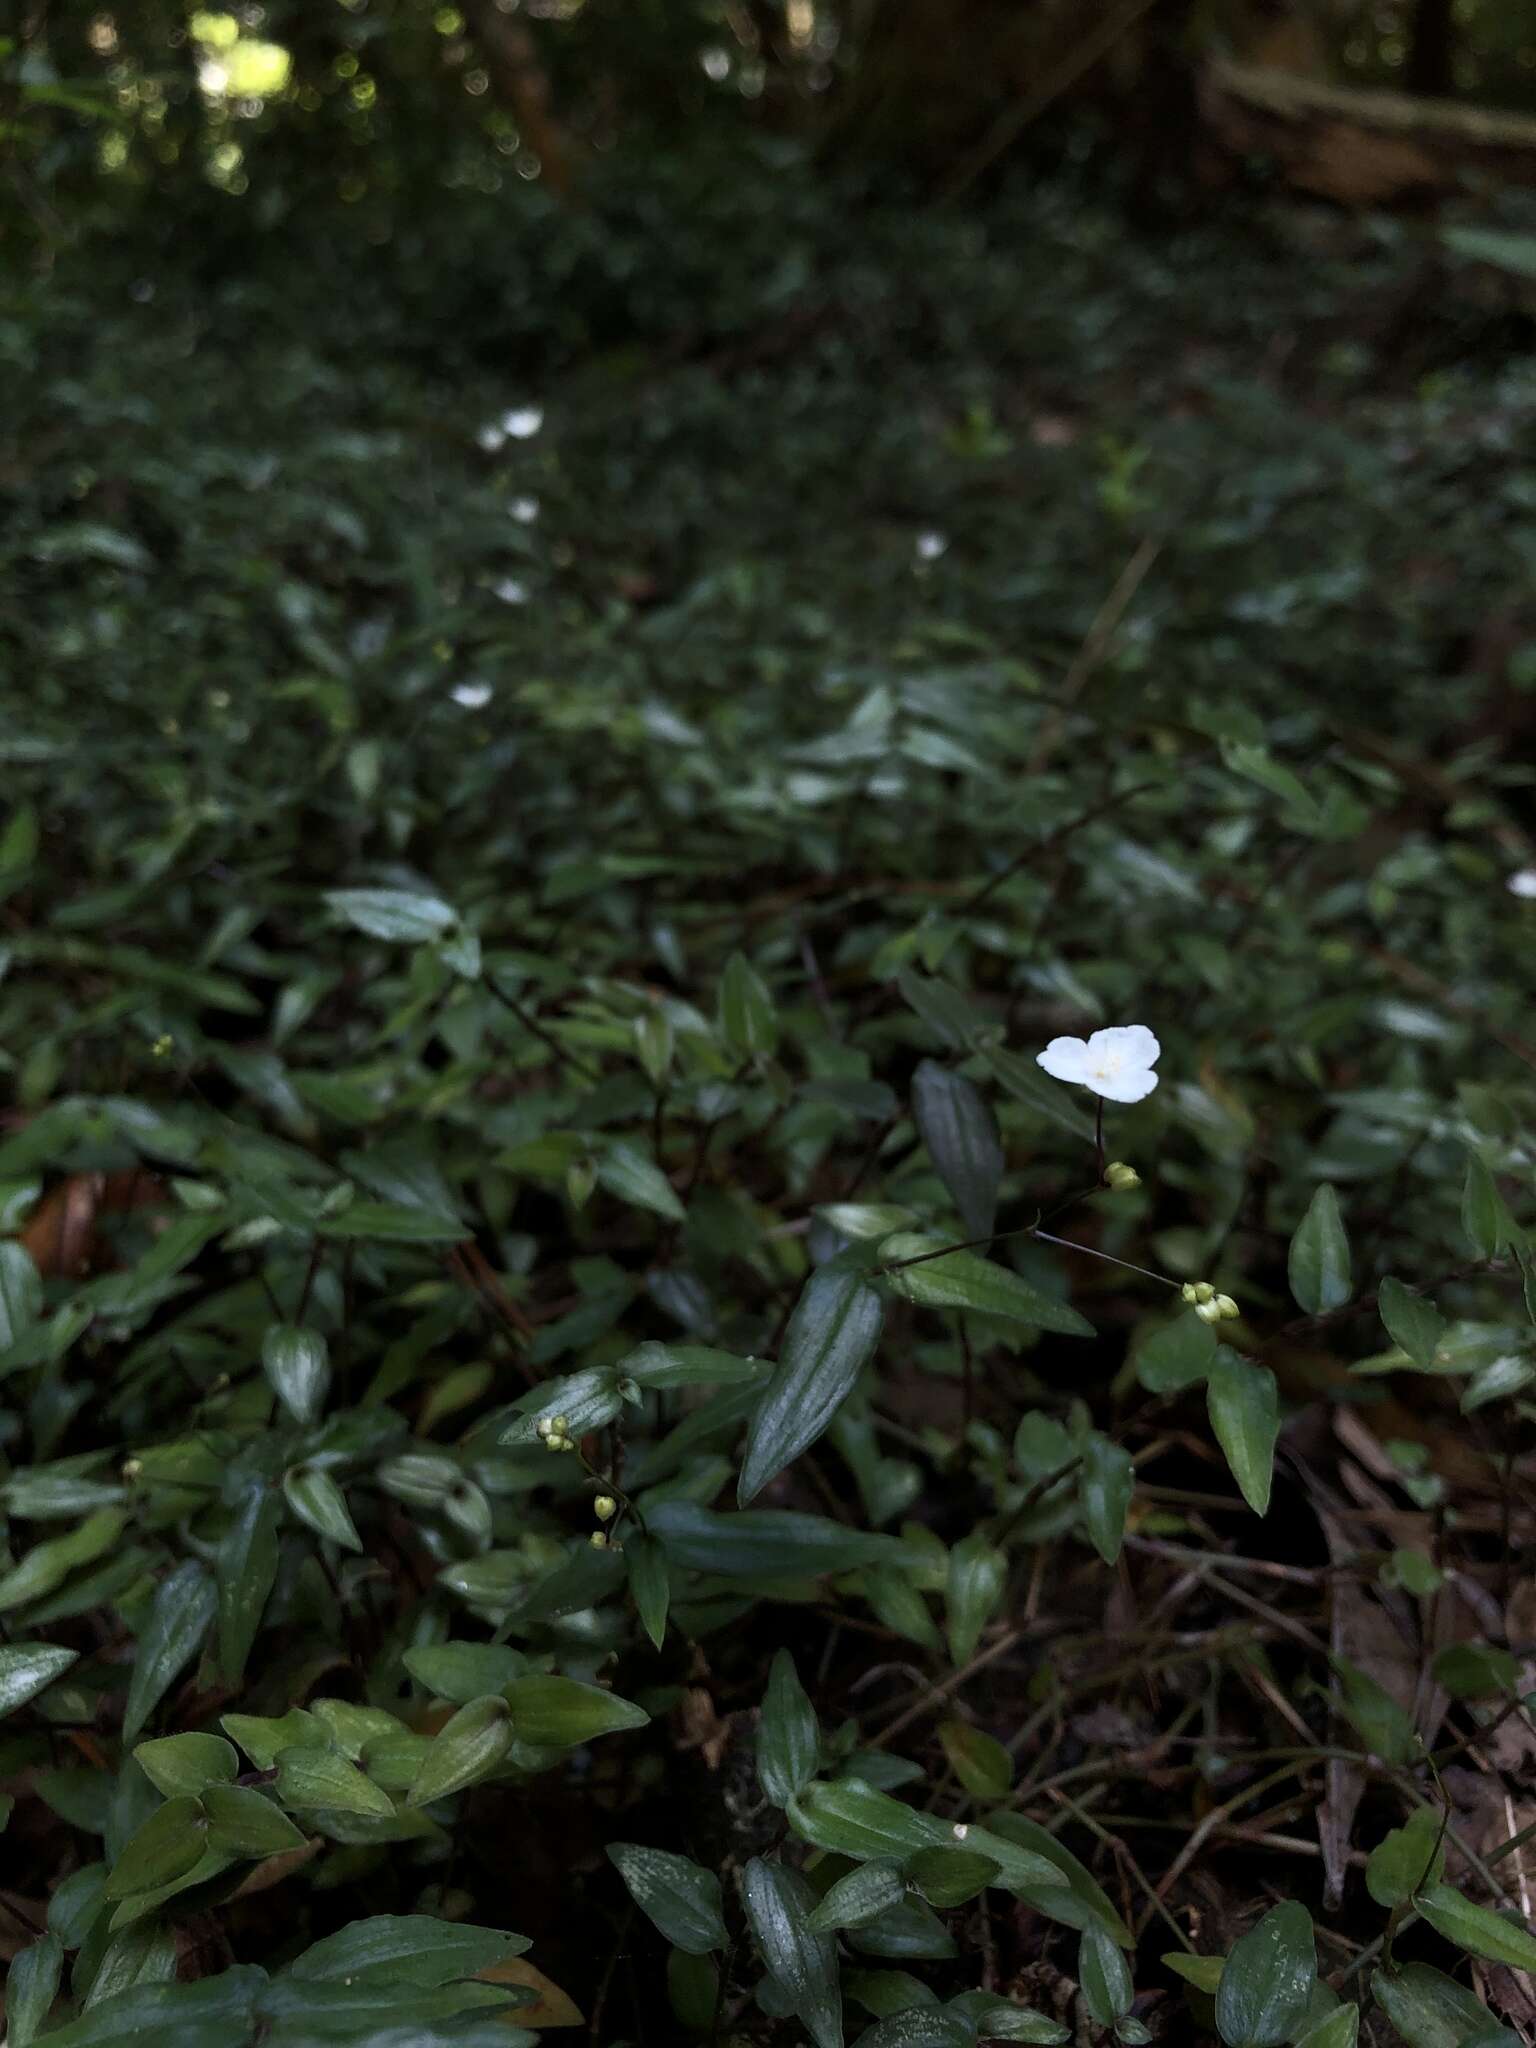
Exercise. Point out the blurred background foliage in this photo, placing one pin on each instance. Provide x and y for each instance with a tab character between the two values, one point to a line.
369	103
1036	496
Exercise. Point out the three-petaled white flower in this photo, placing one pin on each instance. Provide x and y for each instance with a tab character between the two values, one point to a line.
1116	1063
1522	883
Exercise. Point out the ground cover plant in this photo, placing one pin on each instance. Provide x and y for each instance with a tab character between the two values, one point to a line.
616	1417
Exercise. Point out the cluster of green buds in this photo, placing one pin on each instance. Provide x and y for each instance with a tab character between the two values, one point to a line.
554	1432
1120	1177
605	1507
1207	1304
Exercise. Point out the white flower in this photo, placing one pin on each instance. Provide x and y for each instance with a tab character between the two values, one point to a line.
490	439
473	696
524	510
930	546
522	422
1116	1063
1522	882
511	590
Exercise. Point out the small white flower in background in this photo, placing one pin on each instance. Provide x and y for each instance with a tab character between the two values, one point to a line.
524	510
1116	1063
511	591
1522	882
931	545
522	422
490	439
473	696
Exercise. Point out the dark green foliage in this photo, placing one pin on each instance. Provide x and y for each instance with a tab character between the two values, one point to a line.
551	799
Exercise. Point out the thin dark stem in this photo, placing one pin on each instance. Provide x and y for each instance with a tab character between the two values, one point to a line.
310	1272
722	1987
1109	1258
1114	802
530	1023
1042	1486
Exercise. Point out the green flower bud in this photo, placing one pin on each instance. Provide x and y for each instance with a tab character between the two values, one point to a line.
605	1507
1120	1177
1207	1311
1187	1293
1229	1308
598	1540
1204	1291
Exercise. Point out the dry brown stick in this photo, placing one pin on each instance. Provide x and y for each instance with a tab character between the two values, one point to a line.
1061	78
1217	1817
1095	643
937	1694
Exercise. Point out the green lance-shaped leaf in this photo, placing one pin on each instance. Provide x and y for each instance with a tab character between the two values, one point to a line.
831	1335
977	1578
748	1023
981	1763
467	1749
406	916
788	1735
1177	1356
1319	1256
245	1572
311	1777
552	1712
999	2019
298	1367
650	1584
320	1505
26	1669
1429	2009
957	1125
405	1948
1386	1730
31	1988
1104	1976
1501	1939
852	1818
1476	1671
679	1897
1414	1324
244	1822
1105	1483
1337	2029
1408	1858
21	1294
1057	1868
178	1764
45	1567
1244	1405
626	1173
922	2026
764	1543
802	1963
920	1269
1267	1983
1484	1216
164	1848
948	1877
462	1672
862	1897
180	1618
